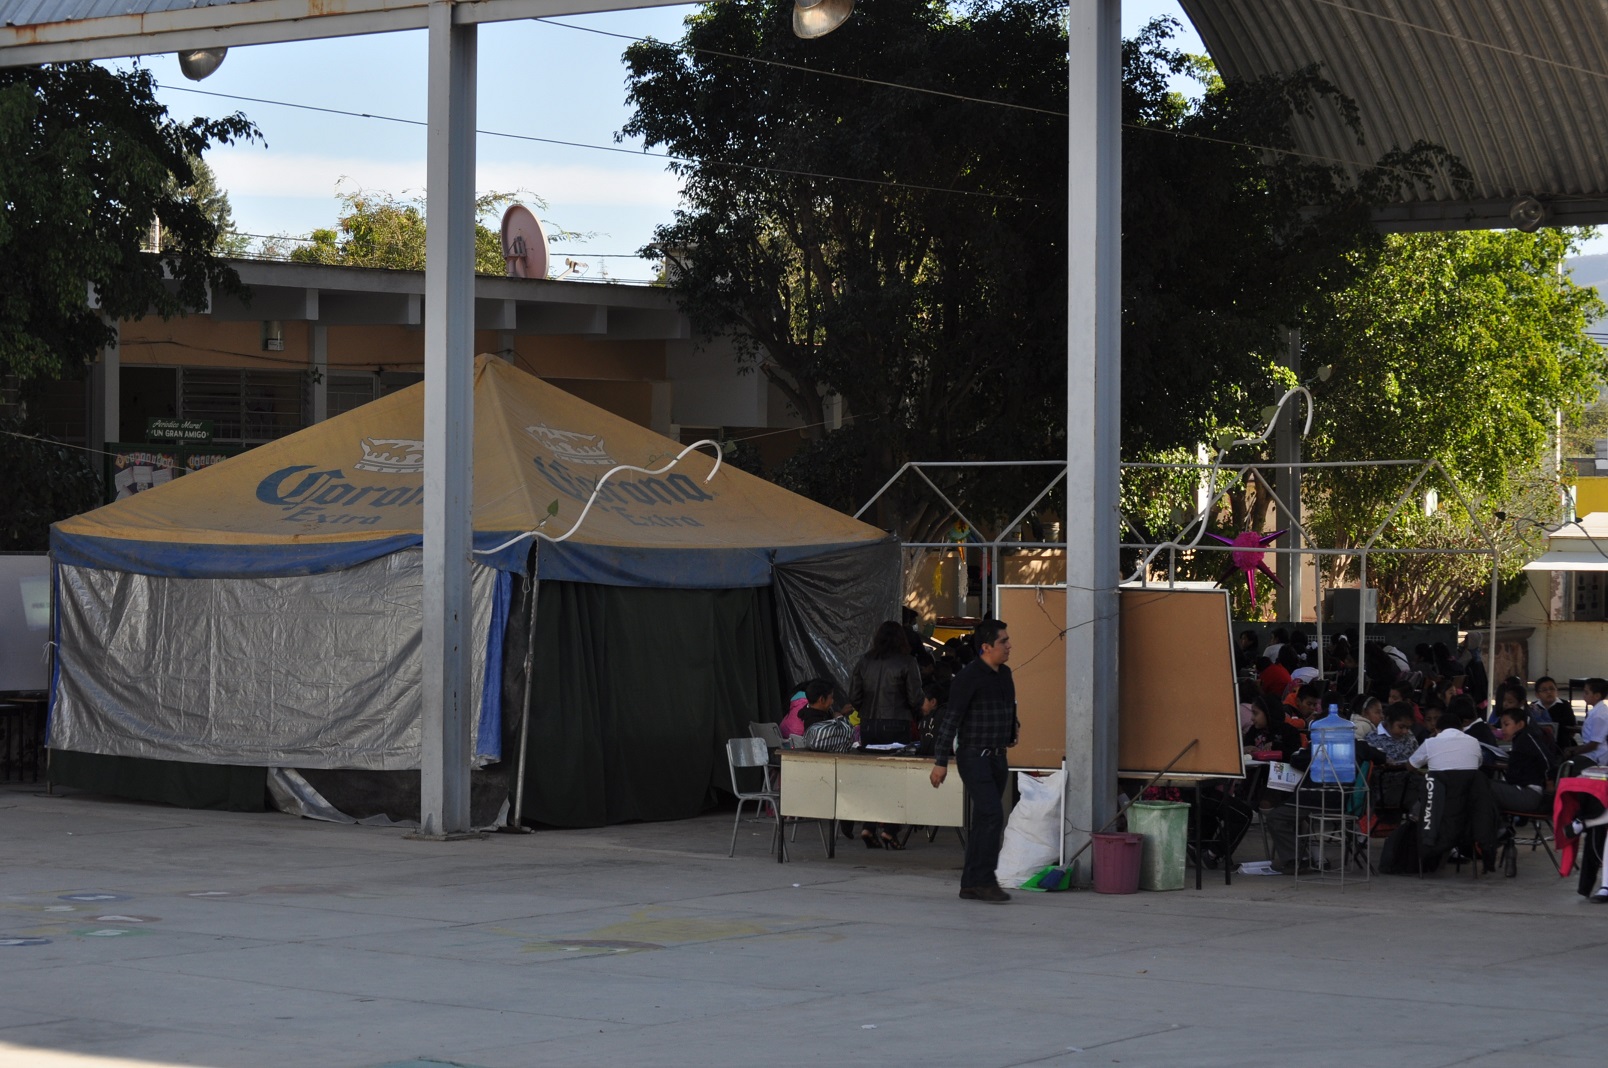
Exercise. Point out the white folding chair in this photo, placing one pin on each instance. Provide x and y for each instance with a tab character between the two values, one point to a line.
753	753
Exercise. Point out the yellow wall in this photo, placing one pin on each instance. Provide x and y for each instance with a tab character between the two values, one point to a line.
1591	495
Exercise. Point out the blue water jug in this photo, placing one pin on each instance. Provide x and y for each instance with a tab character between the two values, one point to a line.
1334	749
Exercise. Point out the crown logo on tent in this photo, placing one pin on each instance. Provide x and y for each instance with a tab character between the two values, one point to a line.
572	446
391	456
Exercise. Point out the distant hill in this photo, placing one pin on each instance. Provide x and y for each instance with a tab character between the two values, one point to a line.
1590	270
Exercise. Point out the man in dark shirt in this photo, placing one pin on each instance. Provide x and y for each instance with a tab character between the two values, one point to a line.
976	727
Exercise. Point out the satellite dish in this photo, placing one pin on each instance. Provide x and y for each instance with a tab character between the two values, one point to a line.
524	244
817	18
201	62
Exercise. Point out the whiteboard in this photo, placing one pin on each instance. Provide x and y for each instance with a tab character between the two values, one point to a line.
24	621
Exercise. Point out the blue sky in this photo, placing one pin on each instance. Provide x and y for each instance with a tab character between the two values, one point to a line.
535	79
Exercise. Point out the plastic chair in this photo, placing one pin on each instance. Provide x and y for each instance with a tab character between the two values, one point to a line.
752	753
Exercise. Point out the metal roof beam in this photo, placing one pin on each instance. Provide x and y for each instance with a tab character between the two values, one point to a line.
1484	214
254	22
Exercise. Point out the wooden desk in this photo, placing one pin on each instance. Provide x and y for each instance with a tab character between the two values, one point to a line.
870	788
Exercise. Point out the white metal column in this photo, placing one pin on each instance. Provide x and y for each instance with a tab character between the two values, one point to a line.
1291	603
448	421
1094	410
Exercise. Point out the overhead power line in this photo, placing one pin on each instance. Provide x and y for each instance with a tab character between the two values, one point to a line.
788	171
810	70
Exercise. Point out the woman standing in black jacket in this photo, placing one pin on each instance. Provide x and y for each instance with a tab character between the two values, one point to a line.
885	688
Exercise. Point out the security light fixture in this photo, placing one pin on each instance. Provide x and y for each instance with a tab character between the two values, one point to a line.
201	62
817	18
1528	214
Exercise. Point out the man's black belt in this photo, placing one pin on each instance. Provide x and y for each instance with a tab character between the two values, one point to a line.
972	750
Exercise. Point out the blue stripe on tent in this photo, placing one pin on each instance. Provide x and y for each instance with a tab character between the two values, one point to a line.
488	743
686	569
180	560
55	661
191	560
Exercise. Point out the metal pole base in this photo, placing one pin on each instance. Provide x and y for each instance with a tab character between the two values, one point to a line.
454	836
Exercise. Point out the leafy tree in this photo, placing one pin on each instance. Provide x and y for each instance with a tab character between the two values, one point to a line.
1230	233
1459	347
921	279
214	203
377	229
1456	347
940	318
88	159
50	482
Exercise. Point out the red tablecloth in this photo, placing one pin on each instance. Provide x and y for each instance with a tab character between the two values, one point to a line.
1564	808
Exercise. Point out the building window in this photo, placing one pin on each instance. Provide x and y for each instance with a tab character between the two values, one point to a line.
245	407
346	392
1588	595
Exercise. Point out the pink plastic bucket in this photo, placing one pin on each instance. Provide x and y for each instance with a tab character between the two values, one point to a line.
1116	863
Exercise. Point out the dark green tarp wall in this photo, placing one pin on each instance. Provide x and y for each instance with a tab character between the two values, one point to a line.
637	691
173	782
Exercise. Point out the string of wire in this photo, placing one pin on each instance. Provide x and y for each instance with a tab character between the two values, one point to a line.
810	70
757	167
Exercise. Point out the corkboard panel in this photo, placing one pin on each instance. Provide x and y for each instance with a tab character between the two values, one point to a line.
1175	664
1035	616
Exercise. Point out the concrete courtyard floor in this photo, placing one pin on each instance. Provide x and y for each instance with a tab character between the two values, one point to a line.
138	935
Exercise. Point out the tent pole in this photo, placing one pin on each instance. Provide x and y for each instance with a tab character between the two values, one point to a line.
516	824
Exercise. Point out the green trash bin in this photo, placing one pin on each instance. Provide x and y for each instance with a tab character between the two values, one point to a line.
1165	825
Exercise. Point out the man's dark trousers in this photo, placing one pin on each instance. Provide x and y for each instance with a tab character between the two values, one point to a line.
984	777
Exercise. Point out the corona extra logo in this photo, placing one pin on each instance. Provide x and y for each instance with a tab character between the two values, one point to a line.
571	447
391	456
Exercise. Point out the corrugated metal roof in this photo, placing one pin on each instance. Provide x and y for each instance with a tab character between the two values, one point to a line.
1518	89
43	12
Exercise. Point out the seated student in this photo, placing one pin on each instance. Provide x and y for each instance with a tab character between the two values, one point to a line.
1397	744
1368	716
1274	678
1508	695
1532	763
793	723
1429	719
1275	643
1449	750
819	697
1592	745
1301	707
1466	716
1550	712
1268	733
1402	691
833	734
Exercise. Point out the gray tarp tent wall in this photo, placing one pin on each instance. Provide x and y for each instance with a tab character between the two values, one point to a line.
263	613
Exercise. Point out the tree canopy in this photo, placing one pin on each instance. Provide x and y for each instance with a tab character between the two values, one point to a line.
89	160
939	317
379	229
903	250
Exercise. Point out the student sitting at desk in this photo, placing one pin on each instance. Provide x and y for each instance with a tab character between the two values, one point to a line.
1449	750
1397	744
833	734
1532	763
1368	716
1268	733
